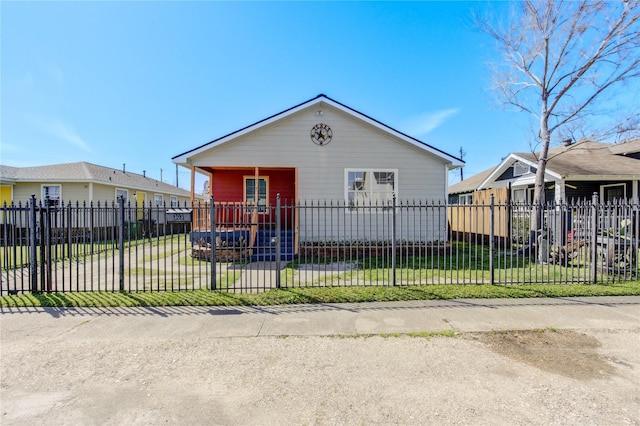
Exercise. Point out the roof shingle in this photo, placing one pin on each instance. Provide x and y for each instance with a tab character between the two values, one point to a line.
87	172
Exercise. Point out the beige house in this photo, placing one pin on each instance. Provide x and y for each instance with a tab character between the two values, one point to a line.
321	151
85	182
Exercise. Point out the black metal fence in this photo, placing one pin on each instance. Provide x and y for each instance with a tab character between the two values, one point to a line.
243	248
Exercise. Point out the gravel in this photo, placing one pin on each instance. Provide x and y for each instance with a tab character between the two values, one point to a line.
473	378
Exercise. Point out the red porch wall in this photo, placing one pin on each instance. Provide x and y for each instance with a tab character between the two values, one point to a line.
227	185
281	182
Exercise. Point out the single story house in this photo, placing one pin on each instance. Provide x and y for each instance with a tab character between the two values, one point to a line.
320	150
85	183
574	172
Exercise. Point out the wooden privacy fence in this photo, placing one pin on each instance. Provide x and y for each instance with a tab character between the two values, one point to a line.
468	222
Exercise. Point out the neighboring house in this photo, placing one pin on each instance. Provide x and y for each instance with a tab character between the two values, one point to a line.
320	150
85	183
574	172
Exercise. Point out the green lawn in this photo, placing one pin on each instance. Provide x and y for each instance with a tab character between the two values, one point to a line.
440	277
316	295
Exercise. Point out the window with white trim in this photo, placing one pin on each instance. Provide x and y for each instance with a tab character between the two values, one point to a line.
173	200
520	168
124	193
465	199
262	190
367	187
612	192
519	195
158	200
52	195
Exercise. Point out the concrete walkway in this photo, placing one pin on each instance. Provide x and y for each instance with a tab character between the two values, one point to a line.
465	315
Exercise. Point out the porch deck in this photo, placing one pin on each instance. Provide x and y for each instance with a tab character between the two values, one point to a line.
234	244
238	233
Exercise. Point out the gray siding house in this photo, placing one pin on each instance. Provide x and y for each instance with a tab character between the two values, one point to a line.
574	172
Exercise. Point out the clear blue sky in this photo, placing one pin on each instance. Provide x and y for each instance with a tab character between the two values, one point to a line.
141	82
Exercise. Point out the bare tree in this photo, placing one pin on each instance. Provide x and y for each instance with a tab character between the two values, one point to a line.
565	63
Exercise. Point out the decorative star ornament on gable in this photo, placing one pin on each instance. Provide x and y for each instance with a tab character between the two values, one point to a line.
321	134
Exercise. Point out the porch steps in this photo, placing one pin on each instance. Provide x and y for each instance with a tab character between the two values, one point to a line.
265	246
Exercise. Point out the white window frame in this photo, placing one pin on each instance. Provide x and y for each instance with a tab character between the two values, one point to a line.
173	201
371	192
158	200
44	192
122	191
465	199
611	185
524	192
520	169
262	208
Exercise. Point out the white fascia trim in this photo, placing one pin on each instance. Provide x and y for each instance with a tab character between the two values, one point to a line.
504	165
524	180
508	162
452	162
602	177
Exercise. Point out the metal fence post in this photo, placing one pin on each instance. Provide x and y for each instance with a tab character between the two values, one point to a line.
33	252
277	238
46	240
121	242
594	238
492	277
635	237
393	240
212	239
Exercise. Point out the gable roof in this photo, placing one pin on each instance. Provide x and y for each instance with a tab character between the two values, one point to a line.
87	172
580	161
470	184
626	148
182	159
588	158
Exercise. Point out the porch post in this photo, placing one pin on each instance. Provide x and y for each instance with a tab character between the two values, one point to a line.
256	189
256	185
254	212
193	183
559	192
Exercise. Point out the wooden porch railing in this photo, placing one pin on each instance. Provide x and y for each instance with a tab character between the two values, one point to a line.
229	215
